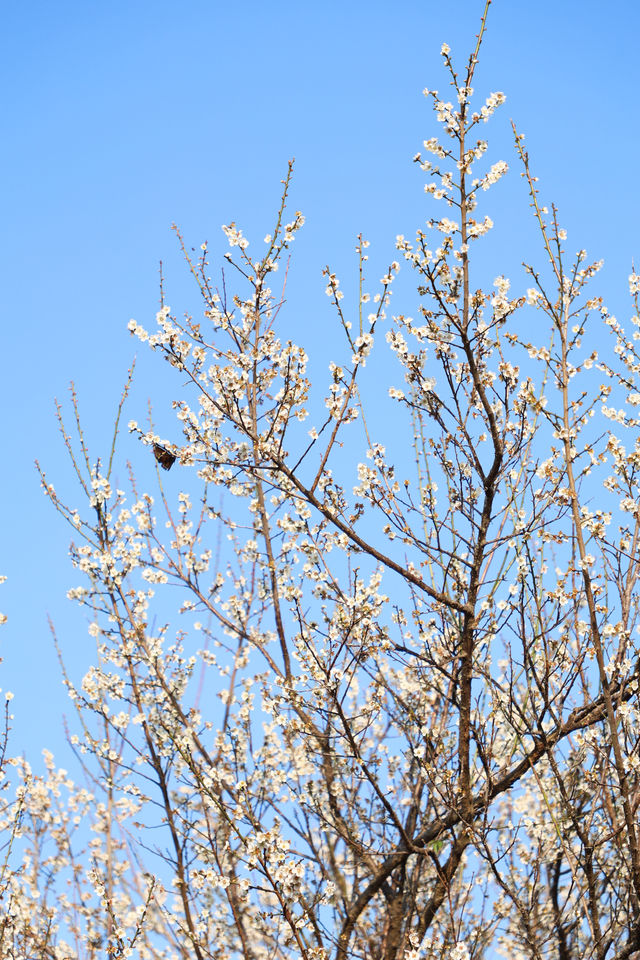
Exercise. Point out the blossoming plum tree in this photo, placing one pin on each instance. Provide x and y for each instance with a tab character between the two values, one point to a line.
425	736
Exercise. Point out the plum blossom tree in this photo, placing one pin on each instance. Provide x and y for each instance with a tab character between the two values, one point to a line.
408	724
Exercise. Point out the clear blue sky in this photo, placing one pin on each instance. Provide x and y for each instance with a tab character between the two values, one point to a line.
122	117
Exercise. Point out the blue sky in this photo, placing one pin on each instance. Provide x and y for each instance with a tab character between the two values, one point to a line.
122	118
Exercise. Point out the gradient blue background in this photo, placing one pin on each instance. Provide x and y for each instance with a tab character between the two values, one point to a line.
121	118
